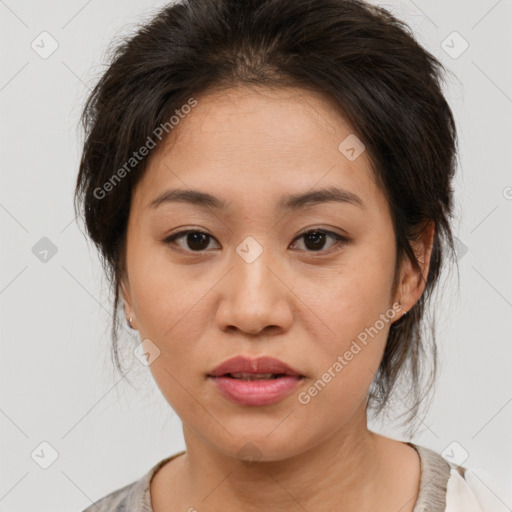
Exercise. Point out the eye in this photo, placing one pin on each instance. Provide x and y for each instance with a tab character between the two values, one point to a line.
315	239
196	240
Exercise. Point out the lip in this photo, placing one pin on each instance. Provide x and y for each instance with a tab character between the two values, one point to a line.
242	364
255	392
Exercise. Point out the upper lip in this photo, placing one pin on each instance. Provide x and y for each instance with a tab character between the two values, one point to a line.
242	364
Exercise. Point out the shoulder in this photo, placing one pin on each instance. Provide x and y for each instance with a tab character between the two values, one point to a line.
449	487
134	497
117	500
468	492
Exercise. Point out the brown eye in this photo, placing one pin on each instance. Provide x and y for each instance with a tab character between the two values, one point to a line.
195	241
315	240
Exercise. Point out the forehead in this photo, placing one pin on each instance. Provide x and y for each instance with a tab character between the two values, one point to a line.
243	143
261	123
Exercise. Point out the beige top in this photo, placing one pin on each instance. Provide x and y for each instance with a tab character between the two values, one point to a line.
443	488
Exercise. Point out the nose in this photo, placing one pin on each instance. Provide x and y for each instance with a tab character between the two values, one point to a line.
255	298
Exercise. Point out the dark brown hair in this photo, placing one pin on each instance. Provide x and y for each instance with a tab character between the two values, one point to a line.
386	84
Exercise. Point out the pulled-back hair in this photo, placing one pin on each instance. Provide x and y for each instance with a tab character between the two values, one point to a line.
385	83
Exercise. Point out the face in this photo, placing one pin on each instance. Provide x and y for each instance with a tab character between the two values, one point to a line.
309	283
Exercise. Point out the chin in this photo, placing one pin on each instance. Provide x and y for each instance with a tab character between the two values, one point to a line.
259	444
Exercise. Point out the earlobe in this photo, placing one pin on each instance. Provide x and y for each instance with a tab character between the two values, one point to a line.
413	282
124	292
127	301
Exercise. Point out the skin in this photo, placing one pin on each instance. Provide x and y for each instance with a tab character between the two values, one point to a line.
304	307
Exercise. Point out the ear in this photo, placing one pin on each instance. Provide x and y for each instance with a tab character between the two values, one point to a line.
127	298
412	283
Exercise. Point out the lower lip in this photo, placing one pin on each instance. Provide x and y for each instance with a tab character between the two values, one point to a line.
256	392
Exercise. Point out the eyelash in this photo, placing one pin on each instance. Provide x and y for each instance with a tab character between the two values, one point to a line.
340	240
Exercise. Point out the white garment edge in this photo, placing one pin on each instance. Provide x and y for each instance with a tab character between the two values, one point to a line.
469	493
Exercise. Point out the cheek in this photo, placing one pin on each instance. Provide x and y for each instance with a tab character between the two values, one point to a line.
355	309
353	298
173	311
167	298
347	359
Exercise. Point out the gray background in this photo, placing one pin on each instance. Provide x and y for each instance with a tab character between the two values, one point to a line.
56	379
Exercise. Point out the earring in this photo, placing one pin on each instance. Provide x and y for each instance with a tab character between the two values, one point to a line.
400	304
130	323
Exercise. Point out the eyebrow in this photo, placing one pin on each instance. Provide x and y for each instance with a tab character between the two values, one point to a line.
288	202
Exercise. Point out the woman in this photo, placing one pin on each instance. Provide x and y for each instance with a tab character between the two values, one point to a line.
269	184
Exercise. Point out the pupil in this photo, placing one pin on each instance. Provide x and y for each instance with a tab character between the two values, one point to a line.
315	235
195	238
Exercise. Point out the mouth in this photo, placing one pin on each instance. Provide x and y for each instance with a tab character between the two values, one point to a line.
255	382
257	376
246	368
255	389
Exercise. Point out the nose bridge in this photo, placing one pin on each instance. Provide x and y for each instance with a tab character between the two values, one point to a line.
252	262
254	297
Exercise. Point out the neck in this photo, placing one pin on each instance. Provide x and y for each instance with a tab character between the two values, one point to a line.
339	473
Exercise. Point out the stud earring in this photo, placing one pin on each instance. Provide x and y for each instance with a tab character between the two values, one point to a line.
405	313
